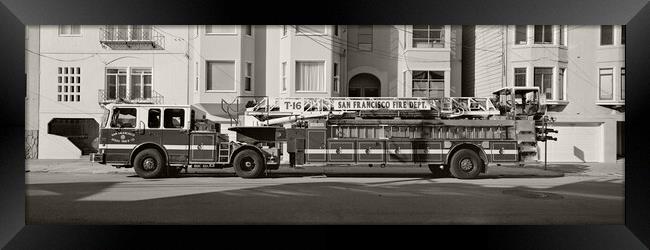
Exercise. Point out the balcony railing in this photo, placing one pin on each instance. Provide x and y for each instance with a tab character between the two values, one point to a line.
104	98
131	37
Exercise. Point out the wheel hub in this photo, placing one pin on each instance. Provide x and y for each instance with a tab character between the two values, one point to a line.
149	164
248	163
466	164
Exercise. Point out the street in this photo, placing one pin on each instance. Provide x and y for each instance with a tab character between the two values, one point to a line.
304	197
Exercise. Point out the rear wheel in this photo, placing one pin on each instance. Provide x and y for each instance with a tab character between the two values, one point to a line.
465	164
149	163
249	164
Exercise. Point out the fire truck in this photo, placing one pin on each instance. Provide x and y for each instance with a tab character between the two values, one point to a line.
457	136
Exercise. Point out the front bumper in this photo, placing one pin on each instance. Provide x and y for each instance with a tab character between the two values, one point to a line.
97	157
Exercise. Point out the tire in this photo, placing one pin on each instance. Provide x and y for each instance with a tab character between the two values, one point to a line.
437	172
149	163
465	164
249	164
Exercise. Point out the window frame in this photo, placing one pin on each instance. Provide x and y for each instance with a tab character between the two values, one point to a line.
71	34
142	84
600	36
283	76
336	31
209	78
515	74
117	87
164	117
372	38
159	118
324	76
622	83
541	86
113	119
429	80
249	76
428	30
205	29
69	88
623	28
560	88
336	72
300	33
600	84
284	31
518	33
544	32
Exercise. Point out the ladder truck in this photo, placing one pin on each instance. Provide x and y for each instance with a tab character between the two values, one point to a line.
457	136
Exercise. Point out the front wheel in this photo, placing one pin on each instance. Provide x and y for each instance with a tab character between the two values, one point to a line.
249	164
149	163
465	164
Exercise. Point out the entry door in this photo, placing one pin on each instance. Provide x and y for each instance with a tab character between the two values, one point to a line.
175	134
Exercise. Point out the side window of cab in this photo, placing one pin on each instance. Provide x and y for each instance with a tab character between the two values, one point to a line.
174	118
153	119
124	118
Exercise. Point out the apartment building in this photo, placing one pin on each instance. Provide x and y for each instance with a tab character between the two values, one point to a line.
74	69
579	69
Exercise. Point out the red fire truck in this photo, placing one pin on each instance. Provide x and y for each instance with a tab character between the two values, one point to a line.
452	135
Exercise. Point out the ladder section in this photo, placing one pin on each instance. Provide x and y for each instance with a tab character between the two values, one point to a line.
446	107
224	152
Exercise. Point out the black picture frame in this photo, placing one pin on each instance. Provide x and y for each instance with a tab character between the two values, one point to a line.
14	14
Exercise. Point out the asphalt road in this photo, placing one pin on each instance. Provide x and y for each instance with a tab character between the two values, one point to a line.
312	198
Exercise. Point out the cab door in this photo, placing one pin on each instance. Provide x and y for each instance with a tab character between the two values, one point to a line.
120	137
175	134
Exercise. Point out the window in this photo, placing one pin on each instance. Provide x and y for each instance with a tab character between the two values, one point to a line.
622	83
284	76
561	31
335	77
310	76
623	34
124	118
428	83
561	83
69	80
606	34
364	38
69	30
606	84
141	83
196	76
220	29
284	30
428	36
543	34
310	29
248	30
220	76
521	34
248	77
174	118
115	84
520	76
335	28
544	81
154	118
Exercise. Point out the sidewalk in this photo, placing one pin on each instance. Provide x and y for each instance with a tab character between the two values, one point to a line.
616	169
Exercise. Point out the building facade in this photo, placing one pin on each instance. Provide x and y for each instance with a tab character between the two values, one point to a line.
579	69
72	70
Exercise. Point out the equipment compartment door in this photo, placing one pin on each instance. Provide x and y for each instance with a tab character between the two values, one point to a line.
428	151
400	151
503	151
315	150
370	151
341	151
202	147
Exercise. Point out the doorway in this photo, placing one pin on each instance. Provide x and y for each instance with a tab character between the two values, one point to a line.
364	85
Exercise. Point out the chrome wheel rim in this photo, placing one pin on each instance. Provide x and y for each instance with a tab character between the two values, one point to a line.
149	164
466	164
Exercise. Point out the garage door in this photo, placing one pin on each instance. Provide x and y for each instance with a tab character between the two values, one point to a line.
576	142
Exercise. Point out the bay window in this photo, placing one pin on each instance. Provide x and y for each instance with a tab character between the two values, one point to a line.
606	84
521	34
606	34
544	81
428	36
364	38
428	83
310	76
543	34
520	77
310	29
220	76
